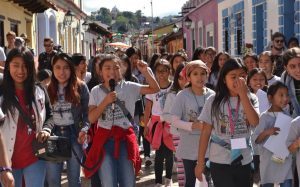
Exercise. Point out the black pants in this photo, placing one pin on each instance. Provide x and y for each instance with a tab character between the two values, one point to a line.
162	154
225	175
146	144
189	171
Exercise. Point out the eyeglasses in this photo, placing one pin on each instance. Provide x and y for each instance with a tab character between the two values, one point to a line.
279	41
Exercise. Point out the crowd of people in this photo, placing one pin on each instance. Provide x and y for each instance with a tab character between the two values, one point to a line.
207	117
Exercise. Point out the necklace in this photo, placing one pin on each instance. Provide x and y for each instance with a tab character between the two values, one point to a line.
199	107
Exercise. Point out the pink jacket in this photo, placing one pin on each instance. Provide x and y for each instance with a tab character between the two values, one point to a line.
161	133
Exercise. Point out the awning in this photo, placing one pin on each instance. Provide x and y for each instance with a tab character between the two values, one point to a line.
35	6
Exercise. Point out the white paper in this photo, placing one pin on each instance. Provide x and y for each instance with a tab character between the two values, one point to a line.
262	101
201	184
238	143
276	143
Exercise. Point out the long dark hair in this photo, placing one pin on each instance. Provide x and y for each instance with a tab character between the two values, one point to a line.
8	88
153	60
254	72
176	87
215	66
72	90
95	80
178	54
197	52
128	73
222	92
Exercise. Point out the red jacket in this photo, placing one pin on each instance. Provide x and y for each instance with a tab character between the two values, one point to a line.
97	152
159	131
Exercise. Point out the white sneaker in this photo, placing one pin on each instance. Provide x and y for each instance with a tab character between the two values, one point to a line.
148	161
168	182
158	185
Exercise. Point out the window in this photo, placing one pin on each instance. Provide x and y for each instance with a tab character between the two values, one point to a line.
210	35
226	34
239	36
14	28
209	38
201	36
193	40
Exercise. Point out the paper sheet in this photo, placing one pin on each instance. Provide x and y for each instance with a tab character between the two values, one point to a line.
262	100
276	143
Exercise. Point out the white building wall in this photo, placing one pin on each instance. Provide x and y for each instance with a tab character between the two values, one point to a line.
248	21
272	17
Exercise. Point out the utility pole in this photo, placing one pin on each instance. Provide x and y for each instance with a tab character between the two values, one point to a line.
152	27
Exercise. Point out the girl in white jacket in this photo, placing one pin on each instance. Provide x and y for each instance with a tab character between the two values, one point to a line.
19	88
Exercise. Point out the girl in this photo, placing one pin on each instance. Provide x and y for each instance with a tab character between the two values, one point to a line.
257	84
272	172
291	77
6	176
179	84
266	63
227	117
178	58
19	89
199	54
217	65
250	61
186	109
158	131
95	73
114	153
69	98
139	109
256	80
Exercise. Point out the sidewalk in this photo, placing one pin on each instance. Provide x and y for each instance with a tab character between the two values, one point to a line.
147	179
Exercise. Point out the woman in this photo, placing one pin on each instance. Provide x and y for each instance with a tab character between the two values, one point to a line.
33	102
69	97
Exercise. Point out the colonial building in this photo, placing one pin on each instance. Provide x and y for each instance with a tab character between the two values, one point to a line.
65	32
203	27
19	16
254	21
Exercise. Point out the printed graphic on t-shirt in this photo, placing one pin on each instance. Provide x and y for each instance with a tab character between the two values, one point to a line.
110	116
161	97
62	113
240	125
193	115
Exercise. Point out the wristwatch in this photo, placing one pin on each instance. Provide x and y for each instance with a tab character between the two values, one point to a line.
5	169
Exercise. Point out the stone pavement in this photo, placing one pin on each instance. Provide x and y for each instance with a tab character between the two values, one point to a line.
147	179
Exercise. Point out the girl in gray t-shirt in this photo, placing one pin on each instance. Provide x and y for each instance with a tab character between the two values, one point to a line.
227	117
185	111
273	170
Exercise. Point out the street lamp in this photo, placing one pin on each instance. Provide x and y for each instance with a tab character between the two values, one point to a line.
188	22
68	18
175	28
85	26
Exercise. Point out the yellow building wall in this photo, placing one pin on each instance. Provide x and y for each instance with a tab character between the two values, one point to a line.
12	11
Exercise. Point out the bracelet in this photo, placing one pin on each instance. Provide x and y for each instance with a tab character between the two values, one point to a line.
5	169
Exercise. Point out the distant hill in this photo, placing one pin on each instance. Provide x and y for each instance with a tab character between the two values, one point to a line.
126	21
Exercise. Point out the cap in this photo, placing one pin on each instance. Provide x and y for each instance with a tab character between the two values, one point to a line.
195	64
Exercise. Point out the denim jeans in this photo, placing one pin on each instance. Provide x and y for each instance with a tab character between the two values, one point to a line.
54	169
34	175
286	183
116	172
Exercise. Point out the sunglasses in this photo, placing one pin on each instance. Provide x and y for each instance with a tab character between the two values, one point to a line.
279	41
47	45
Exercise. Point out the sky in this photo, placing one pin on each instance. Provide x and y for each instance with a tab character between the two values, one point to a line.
160	7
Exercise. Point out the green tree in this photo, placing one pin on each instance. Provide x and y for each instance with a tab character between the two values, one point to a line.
103	15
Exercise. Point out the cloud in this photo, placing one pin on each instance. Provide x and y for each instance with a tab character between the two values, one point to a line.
160	8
